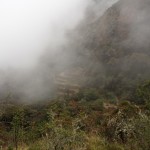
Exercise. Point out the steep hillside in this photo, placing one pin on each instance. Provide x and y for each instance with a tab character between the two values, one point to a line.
113	48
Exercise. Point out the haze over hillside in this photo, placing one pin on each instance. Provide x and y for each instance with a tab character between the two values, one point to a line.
114	48
33	39
107	40
74	74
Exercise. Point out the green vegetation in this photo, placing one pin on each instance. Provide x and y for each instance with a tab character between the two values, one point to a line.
112	109
88	120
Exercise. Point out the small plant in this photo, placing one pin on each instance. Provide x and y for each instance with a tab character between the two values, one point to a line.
114	147
10	147
88	95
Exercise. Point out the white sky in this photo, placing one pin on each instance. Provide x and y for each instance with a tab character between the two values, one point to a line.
27	27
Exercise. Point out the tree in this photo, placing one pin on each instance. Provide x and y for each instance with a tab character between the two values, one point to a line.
17	127
143	93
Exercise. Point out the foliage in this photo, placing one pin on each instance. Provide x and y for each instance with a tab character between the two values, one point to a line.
84	124
143	93
88	95
142	125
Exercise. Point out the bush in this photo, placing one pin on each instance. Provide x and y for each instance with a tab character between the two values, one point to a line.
111	97
10	147
142	126
98	105
96	143
38	146
88	95
114	147
143	92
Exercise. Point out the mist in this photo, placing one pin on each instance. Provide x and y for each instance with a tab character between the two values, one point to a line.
41	39
28	27
74	74
33	43
117	44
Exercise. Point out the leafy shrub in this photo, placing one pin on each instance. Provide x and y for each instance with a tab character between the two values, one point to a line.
10	147
142	139
114	147
111	97
88	95
143	92
38	145
97	105
96	143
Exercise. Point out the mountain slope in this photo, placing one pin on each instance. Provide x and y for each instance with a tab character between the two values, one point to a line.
113	49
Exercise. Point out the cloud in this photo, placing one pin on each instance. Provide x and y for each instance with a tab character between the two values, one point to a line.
29	26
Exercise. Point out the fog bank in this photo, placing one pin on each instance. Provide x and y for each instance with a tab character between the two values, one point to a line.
33	41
